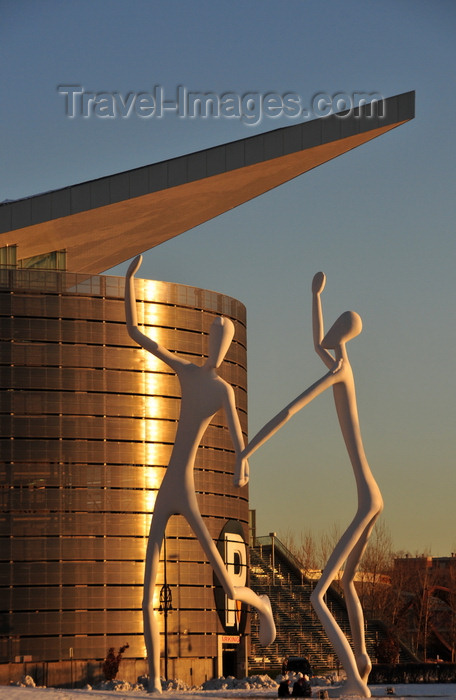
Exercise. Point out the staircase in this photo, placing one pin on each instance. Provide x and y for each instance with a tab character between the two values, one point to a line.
299	631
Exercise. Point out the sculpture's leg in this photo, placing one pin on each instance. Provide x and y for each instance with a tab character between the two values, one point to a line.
151	628
246	595
354	609
355	684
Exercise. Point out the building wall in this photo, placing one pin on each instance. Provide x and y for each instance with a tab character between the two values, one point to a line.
86	430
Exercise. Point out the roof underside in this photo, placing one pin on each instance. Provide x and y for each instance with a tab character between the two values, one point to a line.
103	222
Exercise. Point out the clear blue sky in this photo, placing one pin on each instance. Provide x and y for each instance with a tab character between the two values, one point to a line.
379	221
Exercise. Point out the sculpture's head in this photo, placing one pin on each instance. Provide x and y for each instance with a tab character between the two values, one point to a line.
347	326
221	334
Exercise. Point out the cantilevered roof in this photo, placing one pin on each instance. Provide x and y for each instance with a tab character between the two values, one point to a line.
103	222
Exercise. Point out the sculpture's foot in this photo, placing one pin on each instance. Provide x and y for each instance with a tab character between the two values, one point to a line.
364	665
267	630
355	689
155	687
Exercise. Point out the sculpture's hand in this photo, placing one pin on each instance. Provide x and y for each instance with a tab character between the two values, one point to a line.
241	471
318	283
134	266
337	366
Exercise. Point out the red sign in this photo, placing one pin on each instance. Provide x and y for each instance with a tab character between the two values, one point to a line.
230	639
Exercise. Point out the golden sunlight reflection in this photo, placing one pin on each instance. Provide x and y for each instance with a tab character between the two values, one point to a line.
153	432
152	363
152	318
153	477
153	314
151	383
149	501
153	406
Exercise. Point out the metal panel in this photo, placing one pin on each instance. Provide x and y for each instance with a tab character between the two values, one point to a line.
292	139
119	187
6	218
216	160
42	208
311	133
80	197
196	166
273	144
254	149
99	192
158	176
177	171
331	128
235	155
60	203
139	182
21	213
86	435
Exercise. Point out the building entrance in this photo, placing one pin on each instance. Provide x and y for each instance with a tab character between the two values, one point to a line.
229	661
228	655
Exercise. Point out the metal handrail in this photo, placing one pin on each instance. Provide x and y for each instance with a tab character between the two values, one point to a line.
279	546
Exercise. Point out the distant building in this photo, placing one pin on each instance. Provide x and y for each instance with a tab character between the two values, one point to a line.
428	615
441	569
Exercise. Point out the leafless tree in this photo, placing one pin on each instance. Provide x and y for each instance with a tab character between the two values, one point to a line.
303	547
374	585
328	542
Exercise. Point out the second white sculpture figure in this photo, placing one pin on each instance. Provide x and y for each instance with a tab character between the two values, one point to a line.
203	394
351	546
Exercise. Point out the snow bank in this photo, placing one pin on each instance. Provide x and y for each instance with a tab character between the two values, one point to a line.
26	682
118	686
231	683
260	687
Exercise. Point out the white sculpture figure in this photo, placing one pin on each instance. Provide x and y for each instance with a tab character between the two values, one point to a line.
370	504
203	394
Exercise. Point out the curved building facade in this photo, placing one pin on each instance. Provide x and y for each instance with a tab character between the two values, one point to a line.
87	426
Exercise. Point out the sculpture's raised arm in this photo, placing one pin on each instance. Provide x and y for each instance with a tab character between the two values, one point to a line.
288	412
318	284
313	391
171	359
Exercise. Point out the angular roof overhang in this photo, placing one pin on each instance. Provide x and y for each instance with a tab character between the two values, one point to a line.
103	222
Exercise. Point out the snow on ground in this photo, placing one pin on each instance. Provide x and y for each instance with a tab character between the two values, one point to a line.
254	687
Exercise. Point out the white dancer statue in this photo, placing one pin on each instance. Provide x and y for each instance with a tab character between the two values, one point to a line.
351	546
203	394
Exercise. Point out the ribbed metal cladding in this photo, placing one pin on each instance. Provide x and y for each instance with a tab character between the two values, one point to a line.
86	430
